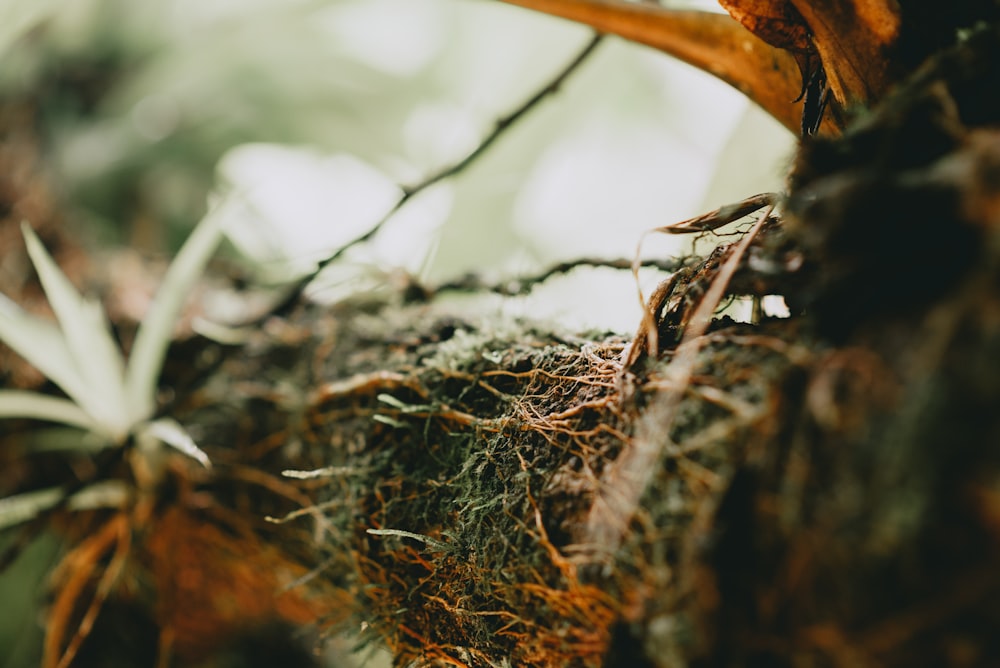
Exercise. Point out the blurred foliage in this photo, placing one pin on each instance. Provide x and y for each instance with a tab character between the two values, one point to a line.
22	593
139	101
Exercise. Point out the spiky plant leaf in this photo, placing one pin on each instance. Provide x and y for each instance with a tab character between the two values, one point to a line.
88	337
24	507
173	434
32	405
65	438
157	327
42	344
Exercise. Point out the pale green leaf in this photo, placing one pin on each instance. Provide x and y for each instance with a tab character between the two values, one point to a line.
19	404
170	432
42	344
104	494
64	438
392	401
392	422
86	332
24	507
155	332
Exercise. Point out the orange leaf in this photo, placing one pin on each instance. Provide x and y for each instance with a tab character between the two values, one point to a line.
855	40
715	43
777	22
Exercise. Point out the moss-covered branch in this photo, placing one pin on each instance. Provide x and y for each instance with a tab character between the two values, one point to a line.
815	490
821	490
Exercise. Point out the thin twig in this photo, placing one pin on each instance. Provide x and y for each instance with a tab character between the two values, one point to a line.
522	285
502	125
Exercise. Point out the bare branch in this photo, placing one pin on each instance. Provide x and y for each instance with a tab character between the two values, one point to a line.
500	127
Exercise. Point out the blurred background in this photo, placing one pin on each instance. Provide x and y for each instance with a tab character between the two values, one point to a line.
303	118
300	121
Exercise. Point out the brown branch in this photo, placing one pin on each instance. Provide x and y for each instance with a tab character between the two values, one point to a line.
522	285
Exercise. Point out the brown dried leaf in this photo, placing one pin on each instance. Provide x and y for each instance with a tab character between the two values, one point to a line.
769	75
855	40
777	22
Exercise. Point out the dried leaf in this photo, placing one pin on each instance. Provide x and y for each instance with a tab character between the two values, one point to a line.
714	43
855	40
836	54
777	22
780	24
